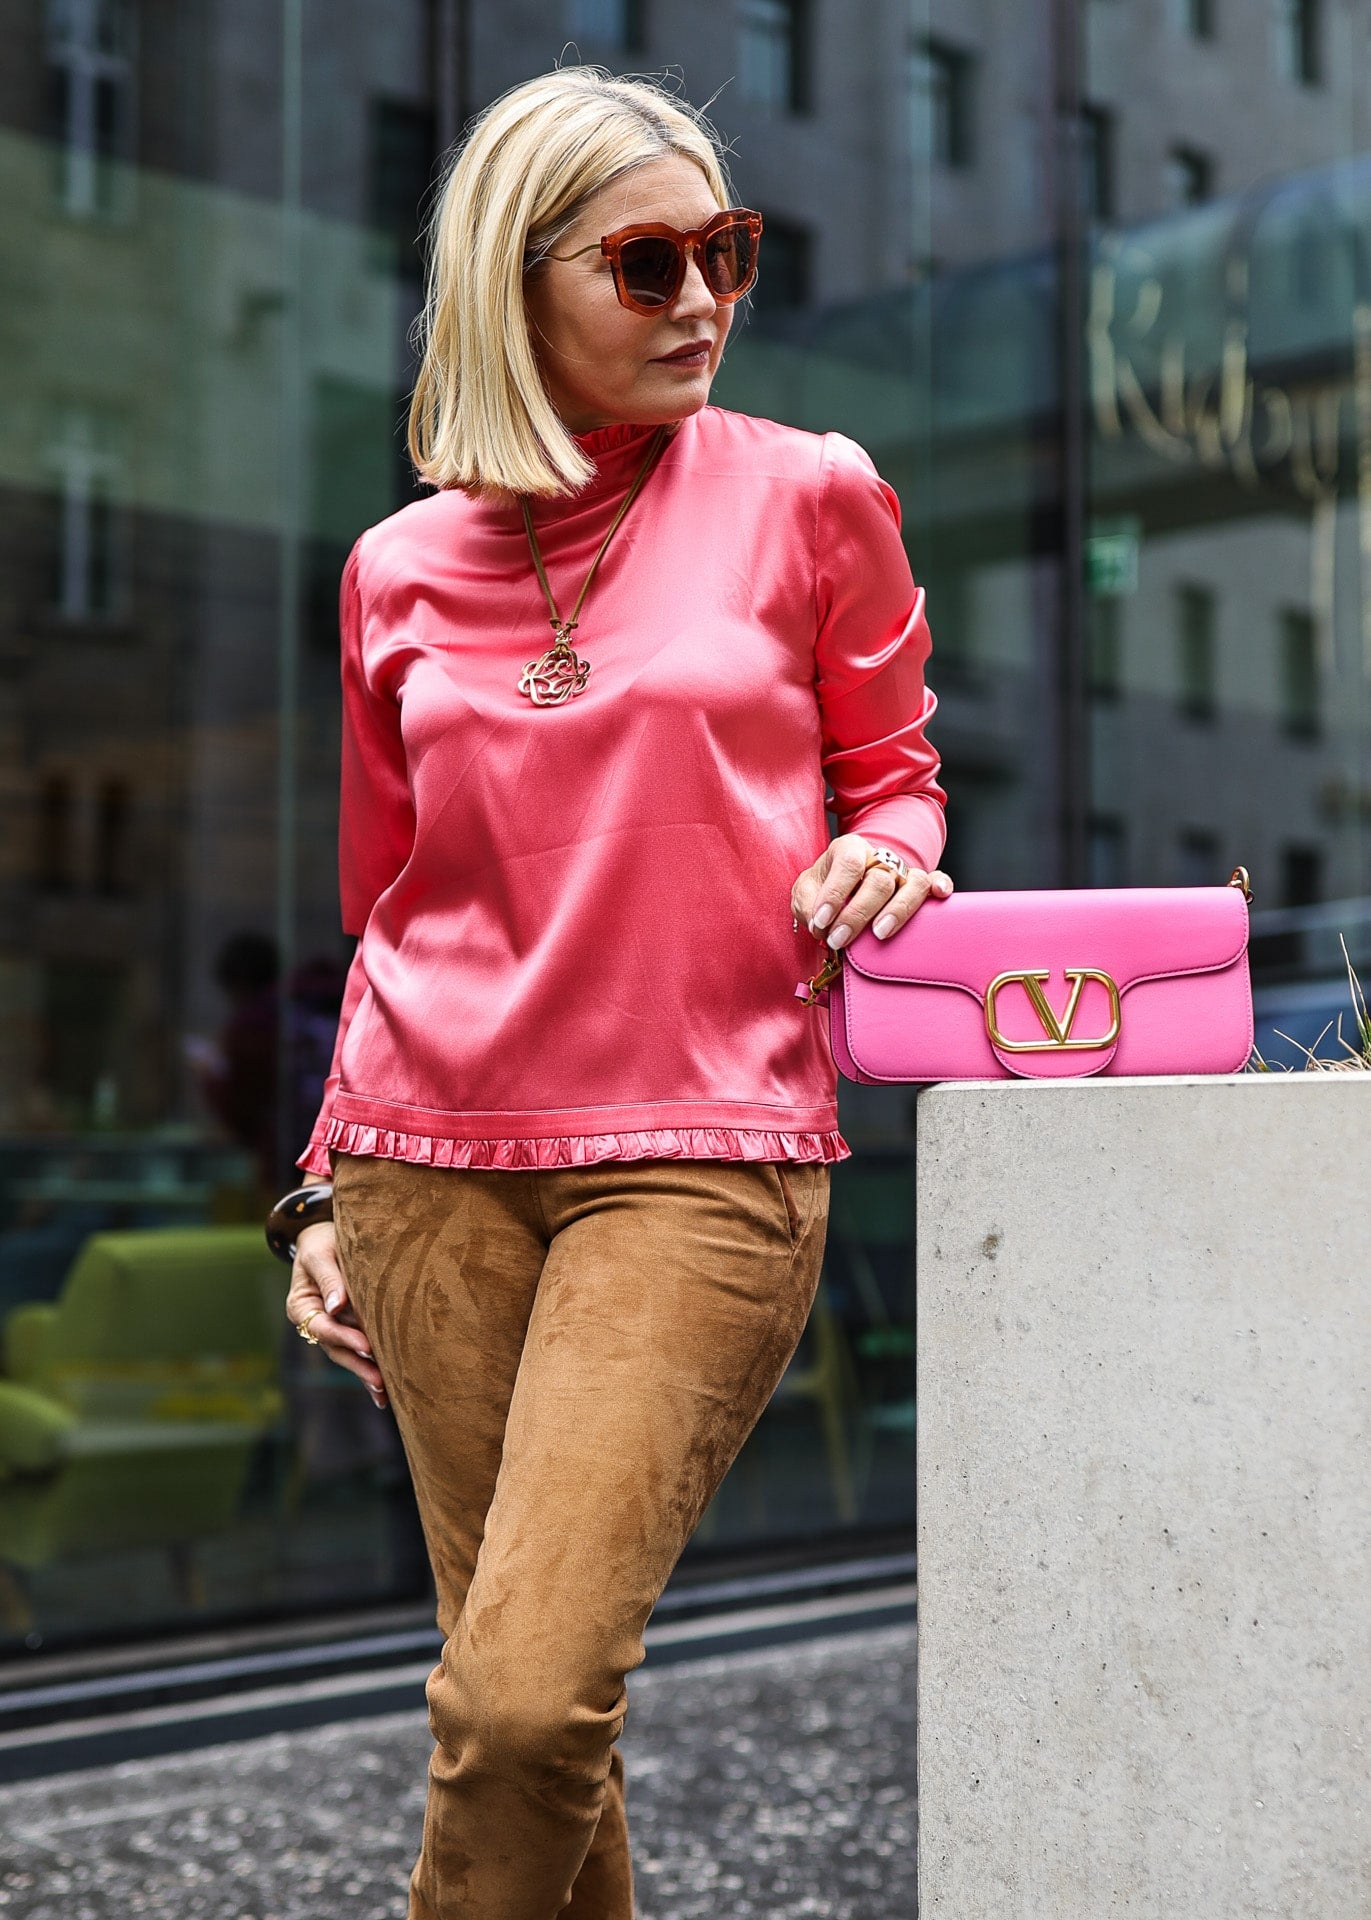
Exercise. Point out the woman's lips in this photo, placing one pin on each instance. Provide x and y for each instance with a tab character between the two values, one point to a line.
694	355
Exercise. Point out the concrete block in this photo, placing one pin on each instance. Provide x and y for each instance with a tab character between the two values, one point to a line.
1144	1498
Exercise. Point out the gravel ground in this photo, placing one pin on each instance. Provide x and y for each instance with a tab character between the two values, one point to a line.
761	1786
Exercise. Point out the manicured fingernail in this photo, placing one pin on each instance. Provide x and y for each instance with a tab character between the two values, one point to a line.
943	886
333	1302
885	925
821	919
840	936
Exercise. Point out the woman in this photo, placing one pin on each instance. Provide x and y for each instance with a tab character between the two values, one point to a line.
578	1127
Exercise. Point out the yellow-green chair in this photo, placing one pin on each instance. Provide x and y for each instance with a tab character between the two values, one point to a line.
132	1403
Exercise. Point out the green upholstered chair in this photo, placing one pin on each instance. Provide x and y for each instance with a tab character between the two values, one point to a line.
131	1404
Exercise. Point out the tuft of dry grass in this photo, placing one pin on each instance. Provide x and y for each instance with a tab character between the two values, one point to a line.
1353	1059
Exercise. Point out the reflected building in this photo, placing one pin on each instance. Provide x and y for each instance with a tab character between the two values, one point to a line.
1090	283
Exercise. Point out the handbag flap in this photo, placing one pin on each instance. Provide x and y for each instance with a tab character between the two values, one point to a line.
1130	933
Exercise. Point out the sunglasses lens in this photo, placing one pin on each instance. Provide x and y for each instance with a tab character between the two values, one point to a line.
649	267
730	260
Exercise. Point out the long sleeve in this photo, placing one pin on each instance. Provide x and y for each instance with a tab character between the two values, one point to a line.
375	820
872	645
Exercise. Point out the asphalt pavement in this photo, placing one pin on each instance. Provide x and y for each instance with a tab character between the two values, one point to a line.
773	1784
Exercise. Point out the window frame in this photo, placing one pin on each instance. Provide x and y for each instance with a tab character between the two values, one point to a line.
1197	695
931	55
1298	30
91	183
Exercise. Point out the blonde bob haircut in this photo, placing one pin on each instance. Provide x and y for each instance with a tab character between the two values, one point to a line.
480	417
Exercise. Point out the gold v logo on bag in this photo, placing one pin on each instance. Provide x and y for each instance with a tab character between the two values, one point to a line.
1058	1032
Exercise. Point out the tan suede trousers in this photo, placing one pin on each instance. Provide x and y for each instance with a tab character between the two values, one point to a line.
574	1358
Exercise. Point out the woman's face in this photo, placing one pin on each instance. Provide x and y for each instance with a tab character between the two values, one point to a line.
600	362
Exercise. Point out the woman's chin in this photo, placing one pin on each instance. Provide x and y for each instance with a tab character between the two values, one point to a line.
671	394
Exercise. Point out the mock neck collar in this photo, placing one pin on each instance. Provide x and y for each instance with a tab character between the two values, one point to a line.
616	450
619	433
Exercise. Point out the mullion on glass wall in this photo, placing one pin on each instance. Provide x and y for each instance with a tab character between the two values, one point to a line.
1075	203
290	551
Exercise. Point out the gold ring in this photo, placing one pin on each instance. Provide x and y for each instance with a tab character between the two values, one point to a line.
891	861
302	1327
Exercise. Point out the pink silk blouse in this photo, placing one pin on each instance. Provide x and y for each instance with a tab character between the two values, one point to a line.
574	923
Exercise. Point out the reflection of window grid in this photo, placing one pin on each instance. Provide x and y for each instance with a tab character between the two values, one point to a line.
90	559
1196	651
940	96
773	53
784	262
1104	646
1309	255
113	817
1097	162
1190	177
1197	861
608	23
400	167
80	1014
1299	674
1297	27
948	610
1106	850
90	55
1301	876
56	819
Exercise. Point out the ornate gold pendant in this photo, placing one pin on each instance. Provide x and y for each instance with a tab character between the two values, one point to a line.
558	674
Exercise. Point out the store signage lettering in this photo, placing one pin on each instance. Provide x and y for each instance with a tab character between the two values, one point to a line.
1228	416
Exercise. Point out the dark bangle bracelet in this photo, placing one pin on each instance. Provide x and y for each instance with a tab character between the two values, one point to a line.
294	1212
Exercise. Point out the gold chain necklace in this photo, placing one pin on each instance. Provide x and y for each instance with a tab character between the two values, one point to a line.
560	673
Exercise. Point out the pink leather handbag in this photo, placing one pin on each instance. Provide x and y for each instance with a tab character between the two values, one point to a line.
1050	985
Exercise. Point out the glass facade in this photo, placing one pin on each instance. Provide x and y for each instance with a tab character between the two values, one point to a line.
1110	341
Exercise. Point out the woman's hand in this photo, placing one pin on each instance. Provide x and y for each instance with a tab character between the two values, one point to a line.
839	896
318	1292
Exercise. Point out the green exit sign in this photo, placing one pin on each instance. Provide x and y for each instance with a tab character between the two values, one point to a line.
1111	556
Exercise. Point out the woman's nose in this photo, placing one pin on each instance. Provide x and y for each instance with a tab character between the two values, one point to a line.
695	300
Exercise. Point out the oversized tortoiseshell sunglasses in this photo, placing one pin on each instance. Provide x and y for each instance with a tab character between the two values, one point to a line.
650	260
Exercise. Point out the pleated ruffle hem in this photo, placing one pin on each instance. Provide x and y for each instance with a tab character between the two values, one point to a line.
577	1150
